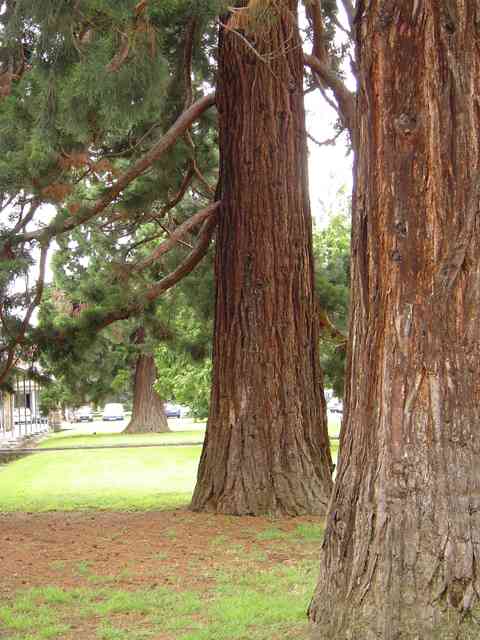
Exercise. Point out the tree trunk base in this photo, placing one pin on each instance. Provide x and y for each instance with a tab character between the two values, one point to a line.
137	426
415	622
148	415
273	502
264	480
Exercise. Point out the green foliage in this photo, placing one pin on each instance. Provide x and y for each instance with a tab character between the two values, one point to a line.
184	380
332	276
53	396
184	365
96	84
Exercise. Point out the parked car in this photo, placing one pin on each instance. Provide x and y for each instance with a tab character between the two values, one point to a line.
172	410
113	411
84	414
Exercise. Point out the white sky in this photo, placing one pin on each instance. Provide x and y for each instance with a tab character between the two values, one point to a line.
330	167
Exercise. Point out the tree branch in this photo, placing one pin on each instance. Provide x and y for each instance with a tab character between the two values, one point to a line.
320	64
314	14
169	281
187	61
350	11
344	97
20	336
327	327
175	236
84	215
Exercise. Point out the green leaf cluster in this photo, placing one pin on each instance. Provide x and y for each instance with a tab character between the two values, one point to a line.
332	280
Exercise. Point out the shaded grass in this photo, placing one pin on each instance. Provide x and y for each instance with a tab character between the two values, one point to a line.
309	531
241	604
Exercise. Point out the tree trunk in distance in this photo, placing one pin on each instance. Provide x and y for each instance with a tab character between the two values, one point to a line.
266	449
148	414
400	559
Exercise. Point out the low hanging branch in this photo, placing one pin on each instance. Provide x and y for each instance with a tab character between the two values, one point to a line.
345	98
11	348
327	328
176	236
85	214
156	290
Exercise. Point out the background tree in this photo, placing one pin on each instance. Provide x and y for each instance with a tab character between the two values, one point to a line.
400	552
185	363
69	78
331	246
148	413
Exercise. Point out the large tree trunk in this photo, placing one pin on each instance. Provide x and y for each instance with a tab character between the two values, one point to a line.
401	553
266	447
148	415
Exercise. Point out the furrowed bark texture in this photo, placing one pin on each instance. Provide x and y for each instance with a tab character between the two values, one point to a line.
148	414
400	560
266	447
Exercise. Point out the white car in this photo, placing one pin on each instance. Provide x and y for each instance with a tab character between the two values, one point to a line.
113	411
84	414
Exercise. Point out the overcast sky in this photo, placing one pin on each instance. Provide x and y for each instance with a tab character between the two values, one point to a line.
330	167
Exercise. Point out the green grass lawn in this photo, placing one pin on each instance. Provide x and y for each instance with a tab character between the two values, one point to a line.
114	479
72	439
254	589
241	598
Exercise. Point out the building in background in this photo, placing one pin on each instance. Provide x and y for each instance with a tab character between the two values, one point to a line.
20	414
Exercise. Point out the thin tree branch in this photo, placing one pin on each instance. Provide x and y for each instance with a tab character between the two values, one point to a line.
118	217
187	61
344	97
84	215
327	327
180	194
189	263
22	223
176	236
183	243
350	11
20	336
328	142
151	294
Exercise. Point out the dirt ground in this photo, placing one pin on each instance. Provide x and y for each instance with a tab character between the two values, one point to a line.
140	549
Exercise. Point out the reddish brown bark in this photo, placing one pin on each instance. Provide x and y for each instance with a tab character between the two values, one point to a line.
266	447
401	553
148	414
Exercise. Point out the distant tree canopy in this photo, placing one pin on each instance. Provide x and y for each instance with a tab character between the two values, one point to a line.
332	275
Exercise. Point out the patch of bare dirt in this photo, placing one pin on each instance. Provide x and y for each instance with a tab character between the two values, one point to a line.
177	548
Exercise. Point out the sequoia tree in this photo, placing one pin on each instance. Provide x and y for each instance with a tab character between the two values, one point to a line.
266	448
148	413
401	552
